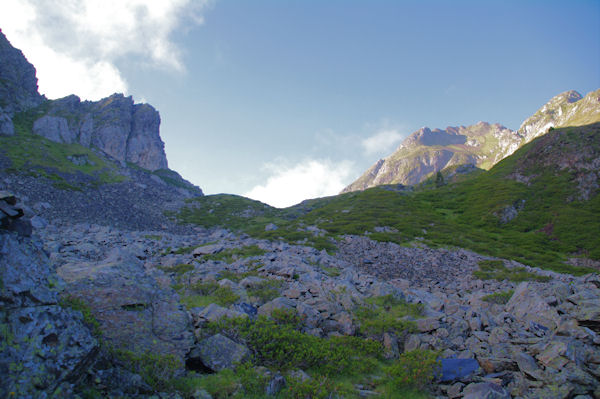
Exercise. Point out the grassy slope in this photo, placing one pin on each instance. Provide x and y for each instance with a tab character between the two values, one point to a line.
551	227
37	155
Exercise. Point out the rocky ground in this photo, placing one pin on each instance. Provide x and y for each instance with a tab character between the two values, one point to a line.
540	342
543	343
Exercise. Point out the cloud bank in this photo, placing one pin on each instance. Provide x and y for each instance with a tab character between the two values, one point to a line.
382	142
311	178
76	45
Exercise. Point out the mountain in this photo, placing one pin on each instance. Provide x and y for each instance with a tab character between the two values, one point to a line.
427	151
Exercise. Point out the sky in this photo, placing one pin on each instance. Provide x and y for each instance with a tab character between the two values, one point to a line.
282	101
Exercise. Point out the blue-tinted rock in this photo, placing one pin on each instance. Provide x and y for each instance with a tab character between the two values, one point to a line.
458	369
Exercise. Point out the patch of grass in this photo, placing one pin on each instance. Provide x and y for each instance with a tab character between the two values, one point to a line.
251	217
203	294
415	369
154	237
500	298
235	276
30	152
179	269
386	314
331	271
266	290
496	270
80	305
157	370
231	254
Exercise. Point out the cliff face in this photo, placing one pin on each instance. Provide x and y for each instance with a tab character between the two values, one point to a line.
428	151
18	83
125	131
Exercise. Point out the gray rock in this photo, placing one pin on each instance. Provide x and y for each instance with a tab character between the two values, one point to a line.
207	250
271	227
219	352
19	89
527	305
528	365
6	125
214	312
134	312
276	384
54	128
485	390
277	303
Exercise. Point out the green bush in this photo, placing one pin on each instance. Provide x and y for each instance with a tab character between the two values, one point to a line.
179	269
157	370
205	293
414	369
266	290
500	298
385	314
277	344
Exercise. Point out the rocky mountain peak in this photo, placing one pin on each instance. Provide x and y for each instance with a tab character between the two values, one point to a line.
566	109
18	83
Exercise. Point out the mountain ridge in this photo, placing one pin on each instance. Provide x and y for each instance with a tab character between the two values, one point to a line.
427	151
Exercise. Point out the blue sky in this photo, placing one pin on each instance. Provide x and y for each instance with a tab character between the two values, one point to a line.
287	100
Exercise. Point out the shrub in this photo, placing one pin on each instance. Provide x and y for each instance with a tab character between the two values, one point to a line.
205	293
414	369
157	370
500	298
276	343
384	314
265	290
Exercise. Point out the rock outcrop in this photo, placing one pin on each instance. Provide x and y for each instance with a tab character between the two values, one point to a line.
566	109
18	83
125	131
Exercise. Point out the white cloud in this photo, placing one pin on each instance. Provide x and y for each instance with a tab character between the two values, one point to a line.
311	178
382	141
75	45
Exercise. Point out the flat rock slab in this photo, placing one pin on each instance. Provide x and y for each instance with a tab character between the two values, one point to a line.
134	312
207	250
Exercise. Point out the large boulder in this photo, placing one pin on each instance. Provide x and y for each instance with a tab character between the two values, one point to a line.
528	306
134	312
217	353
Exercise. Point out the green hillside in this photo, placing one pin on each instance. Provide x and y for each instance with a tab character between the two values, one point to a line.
556	220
